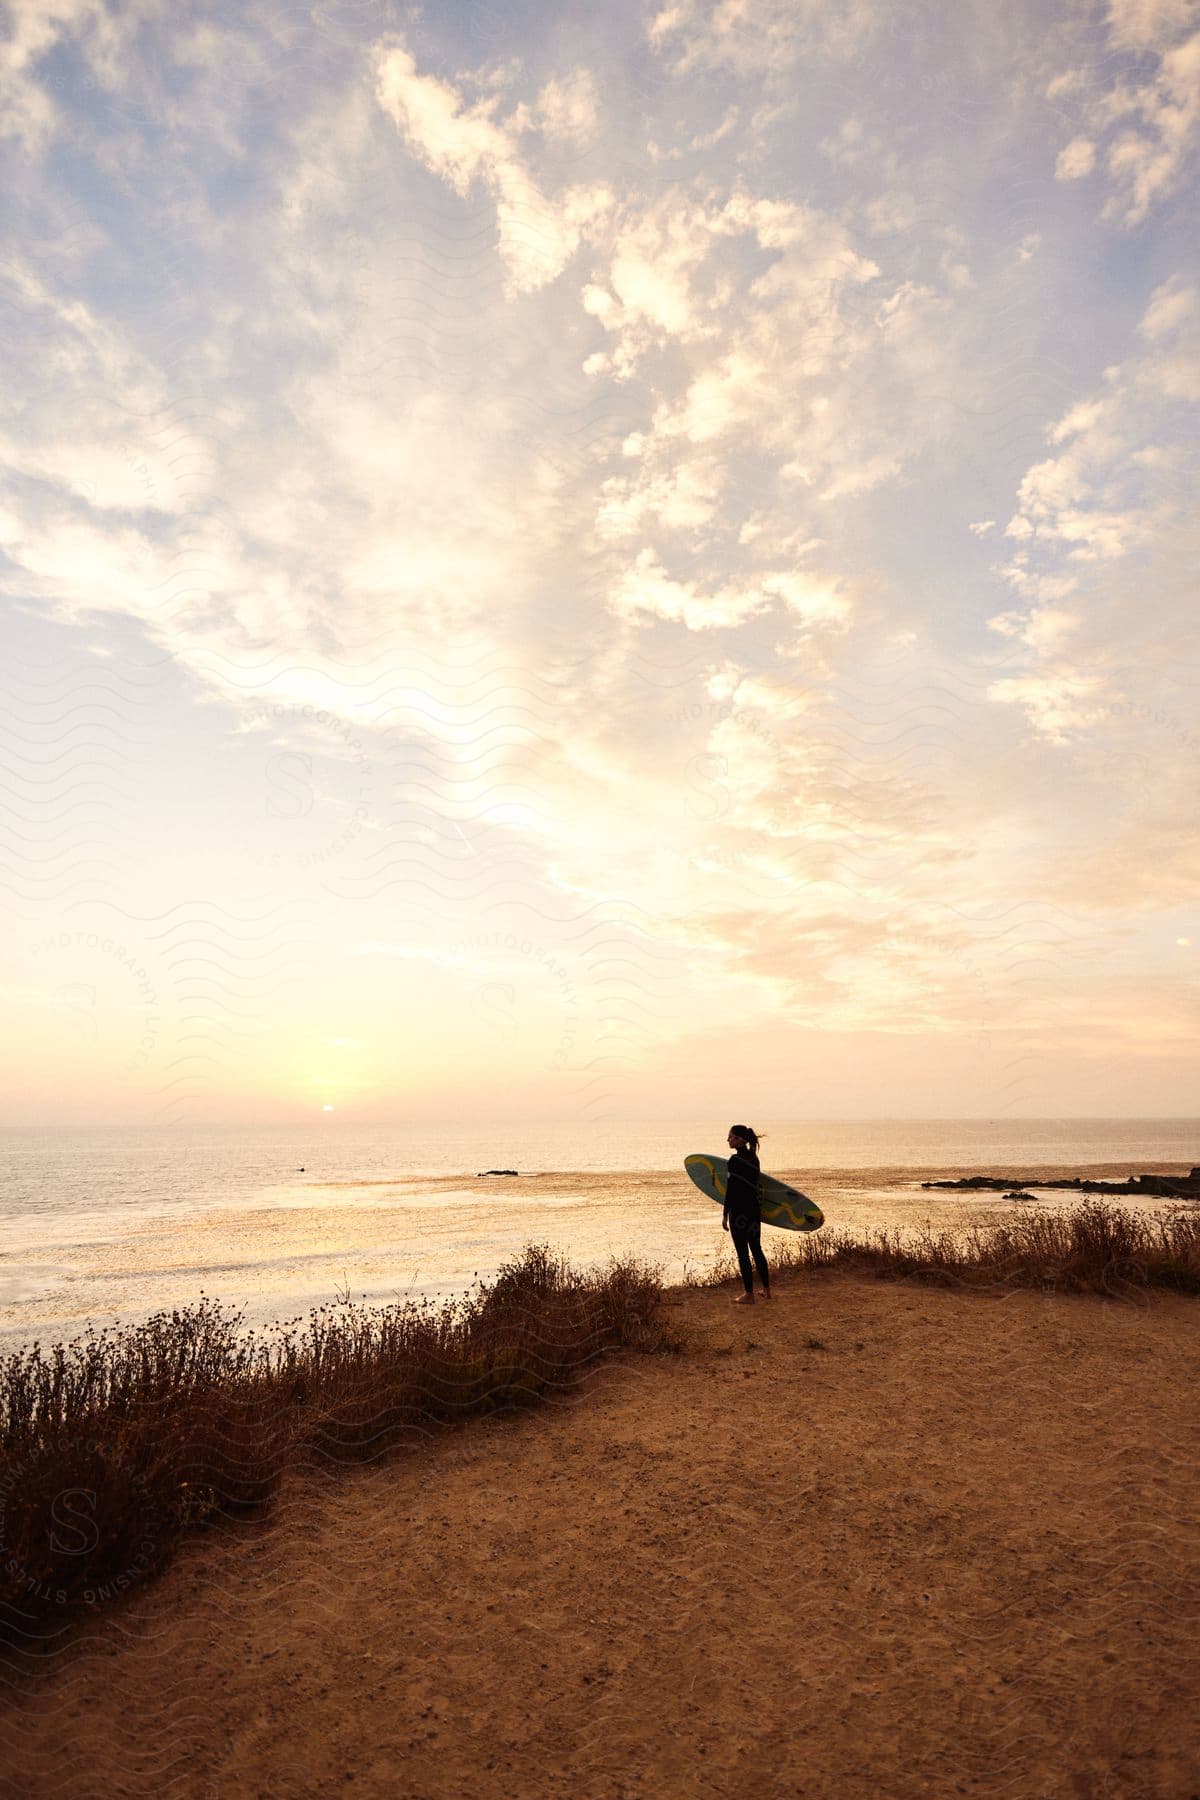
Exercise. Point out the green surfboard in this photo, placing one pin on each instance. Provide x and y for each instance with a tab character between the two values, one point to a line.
780	1204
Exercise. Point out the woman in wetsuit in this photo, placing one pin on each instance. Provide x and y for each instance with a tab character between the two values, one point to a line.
741	1216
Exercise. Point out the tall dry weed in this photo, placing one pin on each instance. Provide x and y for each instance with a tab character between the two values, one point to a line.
114	1445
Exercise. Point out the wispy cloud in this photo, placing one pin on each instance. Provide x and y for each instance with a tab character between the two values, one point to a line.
702	495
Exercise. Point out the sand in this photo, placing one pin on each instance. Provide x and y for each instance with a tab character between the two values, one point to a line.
873	1540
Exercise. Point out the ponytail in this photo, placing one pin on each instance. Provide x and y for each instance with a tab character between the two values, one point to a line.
748	1132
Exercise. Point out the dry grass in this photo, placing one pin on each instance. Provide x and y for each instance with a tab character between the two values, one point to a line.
1095	1248
114	1445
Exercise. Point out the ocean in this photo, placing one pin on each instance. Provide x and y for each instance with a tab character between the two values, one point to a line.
114	1225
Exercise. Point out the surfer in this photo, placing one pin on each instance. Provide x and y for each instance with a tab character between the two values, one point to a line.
741	1216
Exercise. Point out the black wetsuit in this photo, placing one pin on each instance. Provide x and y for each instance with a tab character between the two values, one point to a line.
745	1217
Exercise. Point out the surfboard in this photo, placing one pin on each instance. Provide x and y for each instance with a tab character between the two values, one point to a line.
780	1204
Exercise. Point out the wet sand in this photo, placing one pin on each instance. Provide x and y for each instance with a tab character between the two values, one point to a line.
871	1540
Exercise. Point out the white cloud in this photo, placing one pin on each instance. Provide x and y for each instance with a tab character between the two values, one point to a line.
760	36
783	362
646	589
706	140
810	600
729	392
28	113
567	109
1116	486
1081	499
1080	418
1148	24
863	476
653	257
1075	160
463	144
1143	127
458	143
675	493
1047	629
1171	323
409	463
1057	704
1170	304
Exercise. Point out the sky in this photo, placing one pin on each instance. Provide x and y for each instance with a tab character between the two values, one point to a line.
591	563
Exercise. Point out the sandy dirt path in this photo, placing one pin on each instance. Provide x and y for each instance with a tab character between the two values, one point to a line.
873	1540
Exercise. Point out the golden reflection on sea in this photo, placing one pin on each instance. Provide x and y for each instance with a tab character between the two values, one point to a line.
301	1243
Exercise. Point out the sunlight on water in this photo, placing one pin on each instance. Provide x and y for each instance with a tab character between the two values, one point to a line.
101	1226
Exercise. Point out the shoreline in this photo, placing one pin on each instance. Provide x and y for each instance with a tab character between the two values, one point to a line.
952	1526
281	1258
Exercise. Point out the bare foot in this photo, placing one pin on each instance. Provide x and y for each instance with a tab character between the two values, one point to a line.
766	1294
744	1300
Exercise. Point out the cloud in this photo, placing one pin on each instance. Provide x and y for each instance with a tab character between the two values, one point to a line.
1075	160
812	600
1171	323
457	142
100	35
1095	516
567	109
1170	305
649	293
647	589
778	355
1099	498
1057	704
1142	129
1081	418
646	532
1148	24
755	37
28	113
464	144
675	493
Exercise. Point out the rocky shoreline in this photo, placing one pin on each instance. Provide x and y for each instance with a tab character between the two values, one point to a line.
1163	1187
